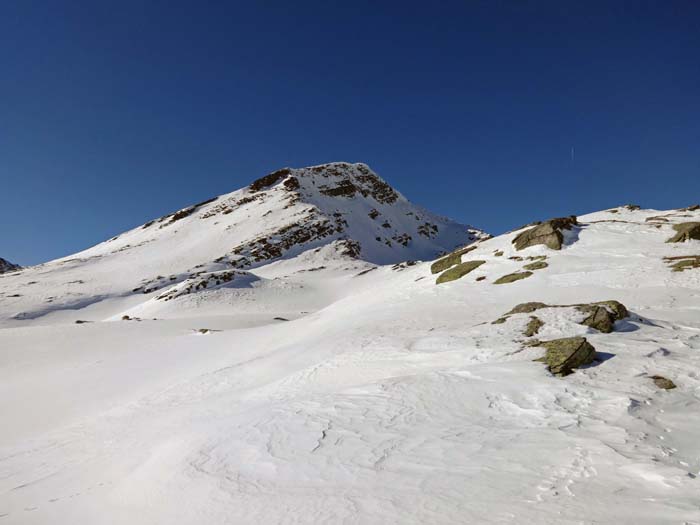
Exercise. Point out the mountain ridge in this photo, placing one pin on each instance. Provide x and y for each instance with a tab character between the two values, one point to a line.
6	266
328	215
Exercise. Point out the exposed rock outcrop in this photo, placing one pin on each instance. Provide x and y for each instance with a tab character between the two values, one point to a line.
548	233
459	271
663	382
565	355
533	326
683	262
599	315
537	265
512	277
7	266
686	231
450	260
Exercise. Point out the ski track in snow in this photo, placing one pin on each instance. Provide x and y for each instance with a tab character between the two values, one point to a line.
384	398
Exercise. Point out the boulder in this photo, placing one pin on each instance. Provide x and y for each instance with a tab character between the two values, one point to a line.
527	308
598	317
547	233
663	382
511	278
450	260
602	315
533	326
459	271
686	231
537	265
564	355
616	308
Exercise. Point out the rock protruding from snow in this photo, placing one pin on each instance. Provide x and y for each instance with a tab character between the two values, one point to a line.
686	231
459	271
564	355
548	233
600	315
450	260
7	266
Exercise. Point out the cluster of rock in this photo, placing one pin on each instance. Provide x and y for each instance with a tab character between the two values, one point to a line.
566	354
451	267
548	233
362	182
681	263
600	315
451	259
202	282
458	271
312	227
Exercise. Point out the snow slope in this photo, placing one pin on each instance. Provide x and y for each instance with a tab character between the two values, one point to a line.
385	398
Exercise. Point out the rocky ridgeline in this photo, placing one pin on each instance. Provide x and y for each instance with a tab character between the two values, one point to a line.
7	266
285	214
314	223
206	281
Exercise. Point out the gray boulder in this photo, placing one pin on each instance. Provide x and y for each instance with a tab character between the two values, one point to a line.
548	233
565	355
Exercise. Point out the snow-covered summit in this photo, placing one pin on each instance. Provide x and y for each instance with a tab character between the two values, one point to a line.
288	221
291	210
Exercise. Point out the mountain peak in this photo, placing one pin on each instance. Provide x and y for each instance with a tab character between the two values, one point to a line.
334	179
330	217
7	266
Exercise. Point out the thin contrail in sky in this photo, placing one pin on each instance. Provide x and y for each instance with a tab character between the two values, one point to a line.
572	153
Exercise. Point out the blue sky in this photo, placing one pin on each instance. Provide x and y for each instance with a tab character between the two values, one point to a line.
112	113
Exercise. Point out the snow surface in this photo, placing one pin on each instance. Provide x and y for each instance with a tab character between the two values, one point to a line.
382	398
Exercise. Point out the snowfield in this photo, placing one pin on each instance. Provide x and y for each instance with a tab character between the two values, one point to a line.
326	386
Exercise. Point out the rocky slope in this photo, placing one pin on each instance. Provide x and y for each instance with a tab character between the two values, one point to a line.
7	266
313	219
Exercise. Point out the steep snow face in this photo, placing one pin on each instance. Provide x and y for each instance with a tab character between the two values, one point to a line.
323	389
7	266
318	218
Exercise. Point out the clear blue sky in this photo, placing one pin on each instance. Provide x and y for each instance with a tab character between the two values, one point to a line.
112	113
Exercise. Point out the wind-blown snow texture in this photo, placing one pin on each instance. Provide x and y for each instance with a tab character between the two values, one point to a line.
383	398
